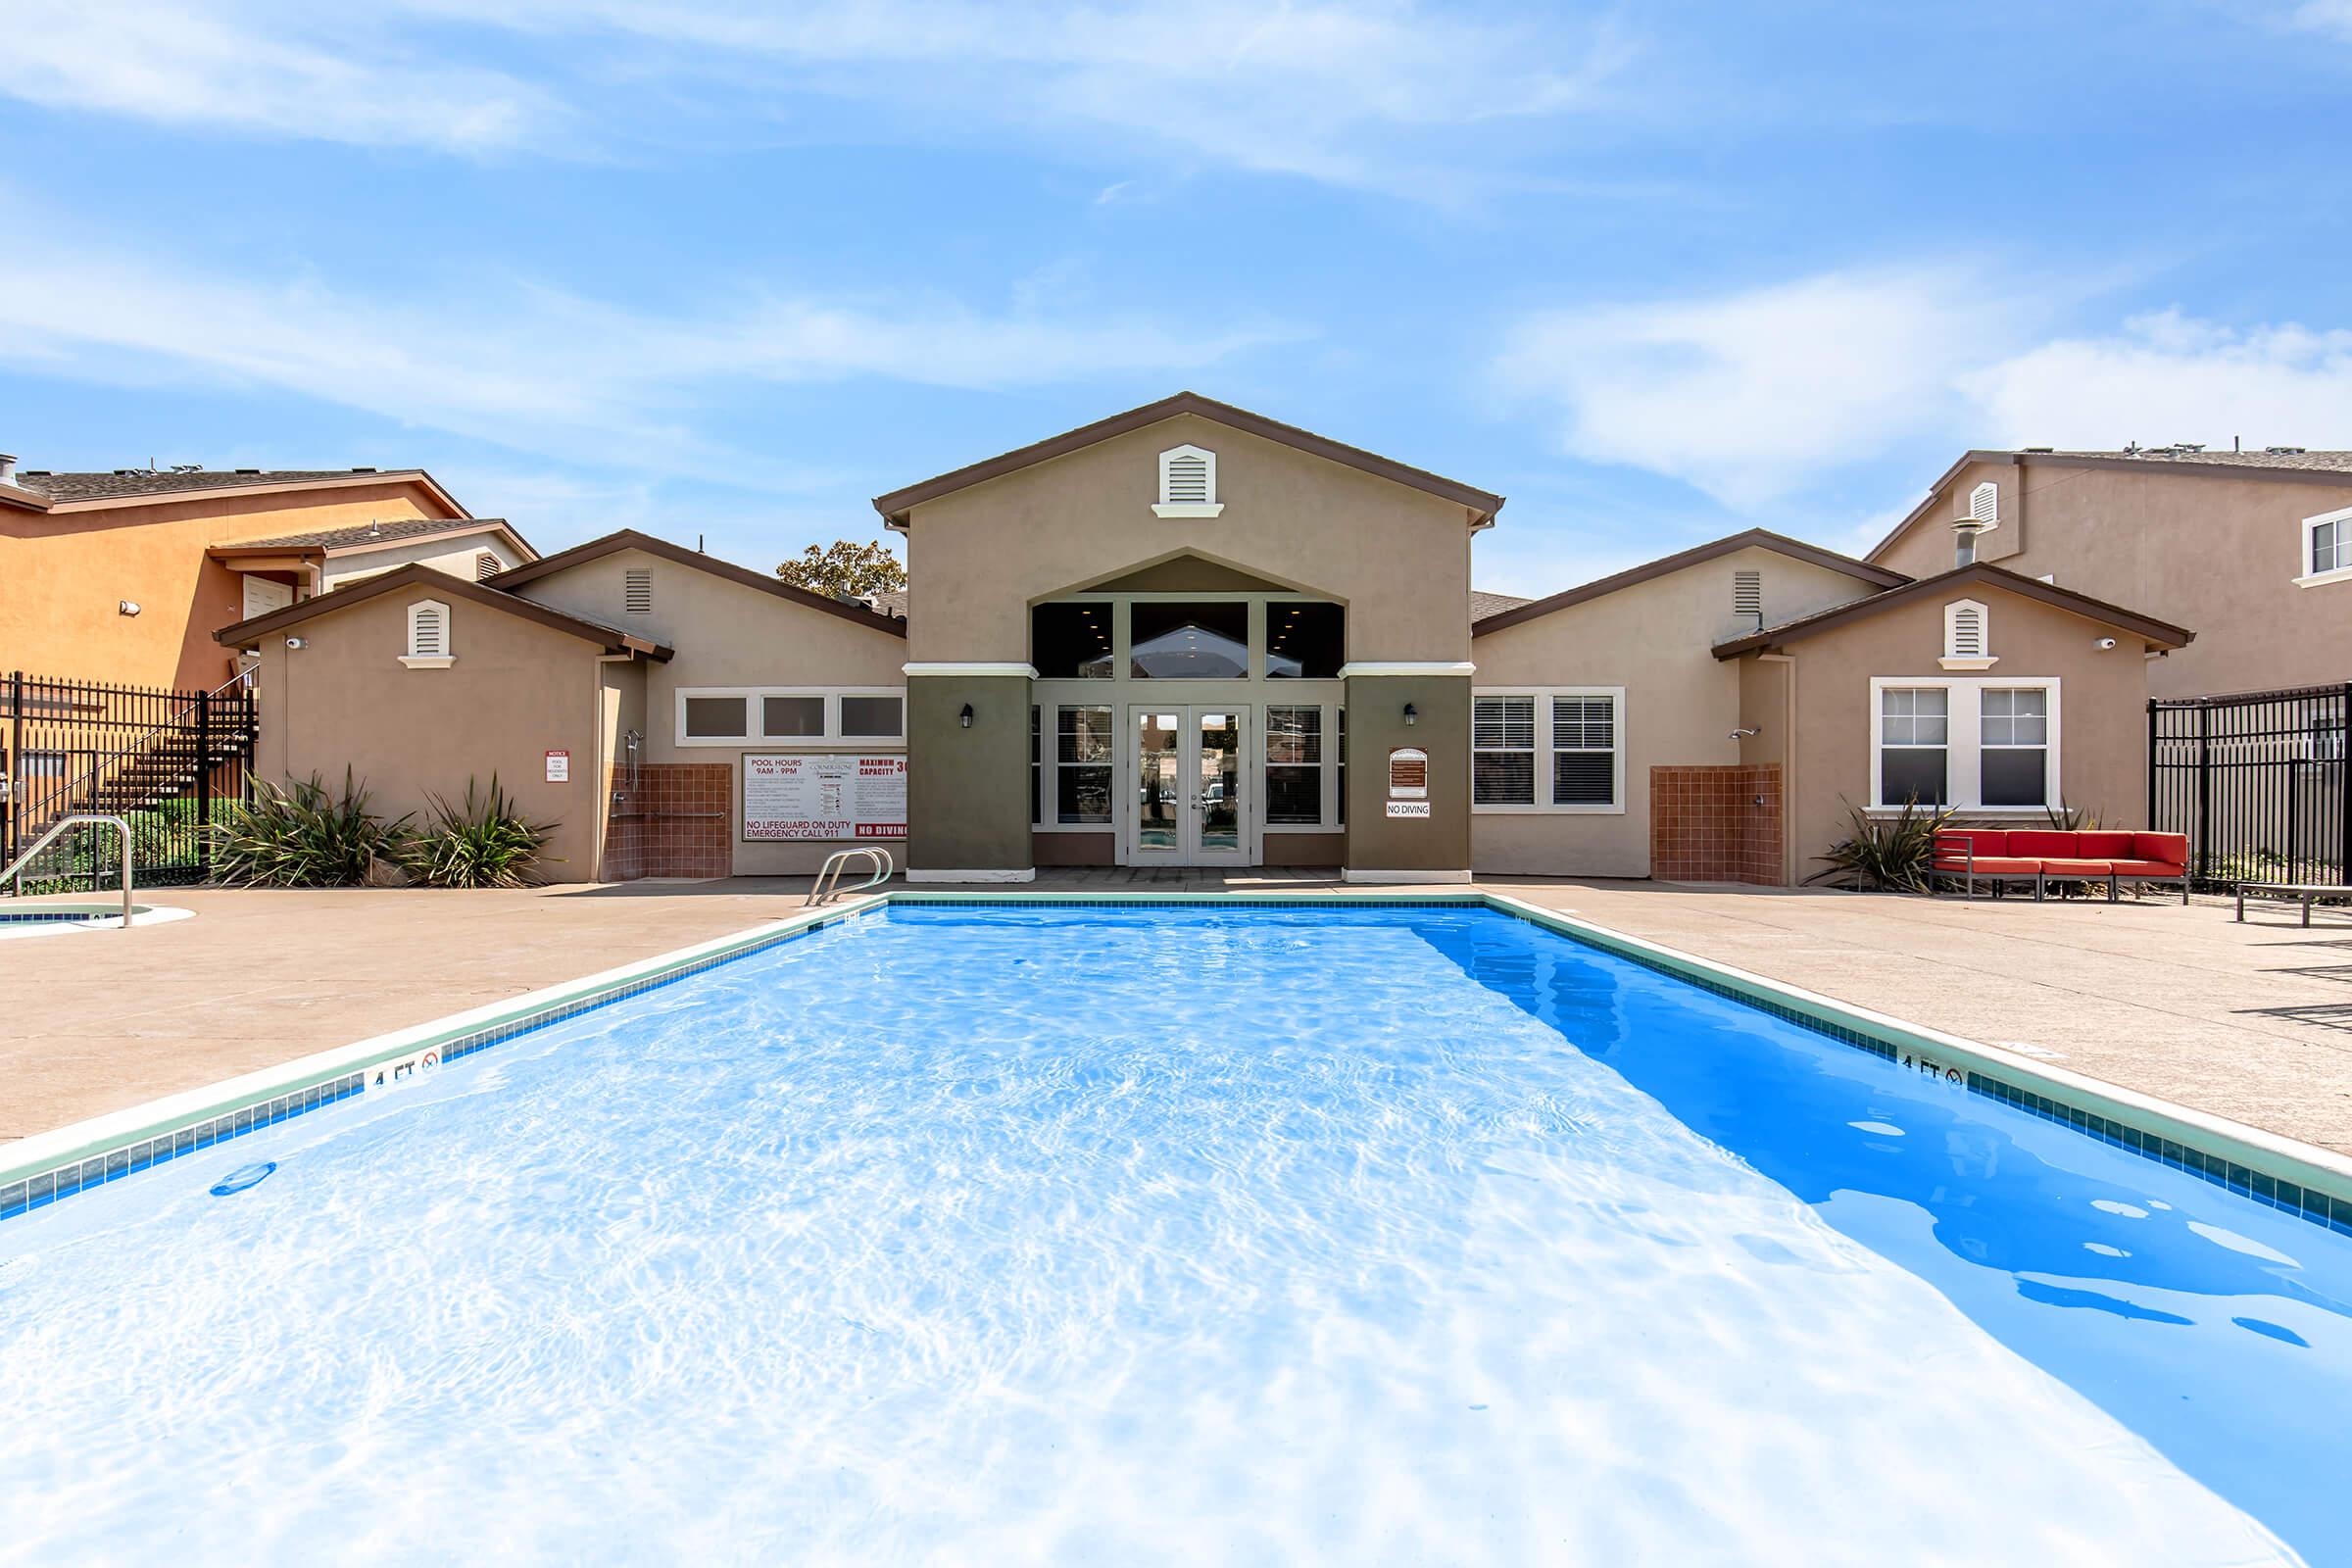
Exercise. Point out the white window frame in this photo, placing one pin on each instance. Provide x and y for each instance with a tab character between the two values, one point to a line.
1985	504
1164	508
1326	745
1964	729
1049	787
2311	527
755	716
447	656
1545	804
1952	657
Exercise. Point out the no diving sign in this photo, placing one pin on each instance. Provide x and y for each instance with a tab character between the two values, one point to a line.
1409	808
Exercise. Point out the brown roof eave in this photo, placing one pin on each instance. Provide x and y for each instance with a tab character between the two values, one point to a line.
1480	504
1697	555
630	539
2162	633
416	575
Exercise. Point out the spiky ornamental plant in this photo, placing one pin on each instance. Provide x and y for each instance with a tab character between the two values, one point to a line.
486	843
302	837
1895	853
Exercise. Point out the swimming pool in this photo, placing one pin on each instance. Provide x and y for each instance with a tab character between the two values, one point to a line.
1010	1234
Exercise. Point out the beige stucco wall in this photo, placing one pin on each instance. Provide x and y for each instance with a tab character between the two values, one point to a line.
728	634
455	556
63	574
1398	558
2216	554
2102	704
515	691
1680	702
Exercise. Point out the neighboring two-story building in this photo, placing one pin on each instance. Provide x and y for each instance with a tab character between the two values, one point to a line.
122	577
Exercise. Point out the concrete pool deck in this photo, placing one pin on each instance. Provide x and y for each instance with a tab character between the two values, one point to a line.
2252	1022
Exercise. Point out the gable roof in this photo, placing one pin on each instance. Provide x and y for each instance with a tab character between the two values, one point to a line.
1697	555
630	539
40	490
416	574
1482	503
2163	633
373	536
2288	465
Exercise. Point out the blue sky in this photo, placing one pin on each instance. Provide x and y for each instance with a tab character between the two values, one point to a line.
1655	273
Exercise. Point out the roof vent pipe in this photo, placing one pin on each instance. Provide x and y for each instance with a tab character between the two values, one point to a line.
1964	533
7	468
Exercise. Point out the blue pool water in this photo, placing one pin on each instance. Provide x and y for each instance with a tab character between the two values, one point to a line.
1002	1235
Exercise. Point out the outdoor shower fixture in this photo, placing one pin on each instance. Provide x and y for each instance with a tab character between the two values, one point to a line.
1744	732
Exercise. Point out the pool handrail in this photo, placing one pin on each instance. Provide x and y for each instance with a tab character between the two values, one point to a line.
828	878
11	875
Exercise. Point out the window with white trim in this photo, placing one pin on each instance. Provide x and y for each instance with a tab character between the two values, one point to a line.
637	591
1978	745
1985	504
1295	762
742	715
1085	753
1188	483
1037	766
1551	749
2013	741
2326	547
1914	744
428	636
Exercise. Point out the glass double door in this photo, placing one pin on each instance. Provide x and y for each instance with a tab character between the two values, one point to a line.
1189	777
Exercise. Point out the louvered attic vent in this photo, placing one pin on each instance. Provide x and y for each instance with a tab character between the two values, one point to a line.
1748	593
1188	483
637	591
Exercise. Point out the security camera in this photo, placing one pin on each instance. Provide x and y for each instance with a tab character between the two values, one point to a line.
126	606
295	642
2104	643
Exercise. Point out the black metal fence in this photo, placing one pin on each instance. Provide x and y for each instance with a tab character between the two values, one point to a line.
166	760
2256	781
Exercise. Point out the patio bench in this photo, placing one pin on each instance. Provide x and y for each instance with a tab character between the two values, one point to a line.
2289	893
2045	855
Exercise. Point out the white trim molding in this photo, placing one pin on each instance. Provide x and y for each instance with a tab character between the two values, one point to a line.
1957	643
2311	527
429	642
1027	671
1964	709
1393	668
1544	749
1200	486
998	874
1404	878
830	706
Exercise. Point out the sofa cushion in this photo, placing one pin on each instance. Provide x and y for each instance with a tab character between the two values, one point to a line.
1954	841
2042	841
2058	865
2102	846
2171	846
1991	865
2148	868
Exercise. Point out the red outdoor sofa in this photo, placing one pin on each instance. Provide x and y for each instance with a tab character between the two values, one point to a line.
2043	855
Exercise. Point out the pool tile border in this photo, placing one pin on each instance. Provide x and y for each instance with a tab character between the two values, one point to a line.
2300	1180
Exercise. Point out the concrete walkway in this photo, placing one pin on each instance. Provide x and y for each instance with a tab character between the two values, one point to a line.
2251	1022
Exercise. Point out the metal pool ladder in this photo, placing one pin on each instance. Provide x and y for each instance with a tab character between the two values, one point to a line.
828	878
9	874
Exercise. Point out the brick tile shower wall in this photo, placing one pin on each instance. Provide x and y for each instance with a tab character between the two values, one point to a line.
677	822
1705	825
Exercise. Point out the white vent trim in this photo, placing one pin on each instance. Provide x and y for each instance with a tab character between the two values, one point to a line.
1967	636
637	591
1985	504
1188	483
428	636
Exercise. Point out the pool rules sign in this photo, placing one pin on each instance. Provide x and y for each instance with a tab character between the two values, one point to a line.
813	795
1408	782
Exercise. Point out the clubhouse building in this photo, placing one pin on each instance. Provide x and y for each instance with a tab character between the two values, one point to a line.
1191	635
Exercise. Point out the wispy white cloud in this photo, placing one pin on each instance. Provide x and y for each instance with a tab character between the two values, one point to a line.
1752	394
550	373
1377	93
255	72
2325	16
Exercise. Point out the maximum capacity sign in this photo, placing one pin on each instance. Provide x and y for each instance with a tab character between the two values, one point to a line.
823	795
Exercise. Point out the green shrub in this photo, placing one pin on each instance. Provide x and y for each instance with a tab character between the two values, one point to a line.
1896	853
300	837
486	843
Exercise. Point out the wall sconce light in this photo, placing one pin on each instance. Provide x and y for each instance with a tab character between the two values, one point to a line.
126	606
965	717
1413	715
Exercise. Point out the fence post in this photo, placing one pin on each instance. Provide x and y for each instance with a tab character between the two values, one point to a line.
2343	786
204	787
2153	743
11	827
2202	847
